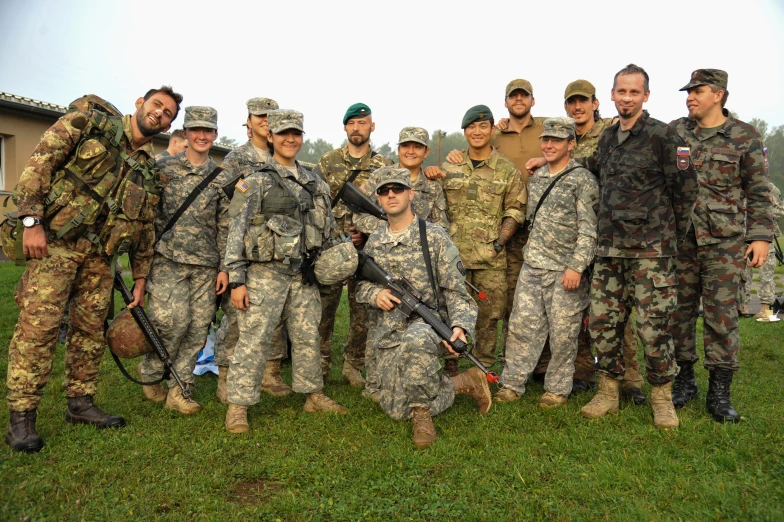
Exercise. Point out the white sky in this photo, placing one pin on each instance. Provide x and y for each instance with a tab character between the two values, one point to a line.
418	63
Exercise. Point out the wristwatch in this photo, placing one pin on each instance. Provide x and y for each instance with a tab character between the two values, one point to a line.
30	221
232	286
498	247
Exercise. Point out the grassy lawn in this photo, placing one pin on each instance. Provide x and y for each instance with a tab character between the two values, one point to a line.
516	463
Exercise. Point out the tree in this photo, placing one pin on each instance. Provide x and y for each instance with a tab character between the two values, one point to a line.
313	150
449	142
229	142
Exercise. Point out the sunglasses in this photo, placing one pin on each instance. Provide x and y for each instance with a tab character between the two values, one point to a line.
396	188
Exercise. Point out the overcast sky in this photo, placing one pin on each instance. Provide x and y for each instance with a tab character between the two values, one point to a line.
420	63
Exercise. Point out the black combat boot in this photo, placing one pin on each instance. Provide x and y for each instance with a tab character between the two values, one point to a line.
82	410
21	434
718	398
579	386
685	387
635	395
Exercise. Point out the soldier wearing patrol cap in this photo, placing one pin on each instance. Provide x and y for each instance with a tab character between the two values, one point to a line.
241	162
188	269
280	220
727	155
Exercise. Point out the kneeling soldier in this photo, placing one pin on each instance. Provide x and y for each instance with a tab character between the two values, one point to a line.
280	219
407	349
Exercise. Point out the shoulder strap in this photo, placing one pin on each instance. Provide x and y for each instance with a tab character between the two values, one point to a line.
351	178
428	261
190	199
547	192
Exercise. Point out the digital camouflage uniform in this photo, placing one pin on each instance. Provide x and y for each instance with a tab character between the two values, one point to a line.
767	293
730	166
187	260
478	199
266	262
645	207
75	269
408	349
562	236
335	167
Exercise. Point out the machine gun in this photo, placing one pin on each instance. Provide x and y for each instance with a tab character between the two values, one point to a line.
411	301
359	202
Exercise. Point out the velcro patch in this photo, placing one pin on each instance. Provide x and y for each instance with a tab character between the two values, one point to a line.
242	185
684	153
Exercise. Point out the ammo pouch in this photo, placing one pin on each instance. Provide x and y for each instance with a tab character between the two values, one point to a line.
286	233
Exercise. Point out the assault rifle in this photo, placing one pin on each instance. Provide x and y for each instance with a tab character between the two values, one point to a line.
359	202
411	302
140	316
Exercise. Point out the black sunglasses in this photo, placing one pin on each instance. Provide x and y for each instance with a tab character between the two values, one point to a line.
396	188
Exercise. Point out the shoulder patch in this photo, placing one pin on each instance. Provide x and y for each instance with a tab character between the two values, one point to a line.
452	256
242	185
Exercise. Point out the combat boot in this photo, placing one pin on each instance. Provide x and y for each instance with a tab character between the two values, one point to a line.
664	416
551	400
450	368
319	402
424	430
506	395
718	398
21	434
579	386
272	383
352	376
152	393
606	399
635	395
473	383
221	392
237	419
82	410
764	312
176	401
685	387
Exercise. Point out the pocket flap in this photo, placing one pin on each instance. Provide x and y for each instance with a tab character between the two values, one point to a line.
725	157
724	208
284	225
629	215
482	235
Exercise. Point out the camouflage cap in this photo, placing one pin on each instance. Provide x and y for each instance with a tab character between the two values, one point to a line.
206	117
476	113
715	77
389	175
561	127
358	110
261	106
579	88
519	84
415	134
284	119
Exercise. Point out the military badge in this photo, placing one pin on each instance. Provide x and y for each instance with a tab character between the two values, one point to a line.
242	185
684	153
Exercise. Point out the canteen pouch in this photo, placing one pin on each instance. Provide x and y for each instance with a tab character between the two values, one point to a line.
11	231
259	242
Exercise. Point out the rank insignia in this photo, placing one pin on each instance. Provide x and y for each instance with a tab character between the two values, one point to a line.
242	185
684	153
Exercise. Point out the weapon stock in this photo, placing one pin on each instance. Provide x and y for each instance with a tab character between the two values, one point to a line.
411	302
140	316
357	201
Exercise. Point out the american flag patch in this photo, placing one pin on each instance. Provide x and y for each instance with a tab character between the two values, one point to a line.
684	151
242	185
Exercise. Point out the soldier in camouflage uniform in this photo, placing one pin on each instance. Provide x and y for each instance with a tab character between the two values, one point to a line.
355	162
74	267
187	270
177	143
410	384
242	162
280	220
552	292
486	199
727	155
767	293
646	197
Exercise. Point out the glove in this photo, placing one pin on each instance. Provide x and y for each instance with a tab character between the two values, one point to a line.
309	270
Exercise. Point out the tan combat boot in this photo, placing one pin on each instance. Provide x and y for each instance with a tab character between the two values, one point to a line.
664	416
606	399
551	400
352	376
319	402
272	383
177	402
237	419
764	312
222	393
506	395
152	393
424	431
473	383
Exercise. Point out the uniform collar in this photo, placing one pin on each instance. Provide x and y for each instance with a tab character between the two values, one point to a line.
490	161
406	238
364	161
530	123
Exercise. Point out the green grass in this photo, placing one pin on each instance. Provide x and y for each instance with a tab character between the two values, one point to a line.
516	463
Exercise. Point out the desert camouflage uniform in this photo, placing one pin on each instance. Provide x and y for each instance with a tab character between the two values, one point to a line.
242	161
74	271
563	236
730	165
335	168
275	288
645	208
407	349
478	199
186	264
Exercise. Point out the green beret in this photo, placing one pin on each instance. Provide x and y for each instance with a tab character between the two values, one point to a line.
476	113
358	110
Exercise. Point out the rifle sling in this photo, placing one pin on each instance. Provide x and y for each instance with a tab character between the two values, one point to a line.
428	261
351	178
547	193
189	200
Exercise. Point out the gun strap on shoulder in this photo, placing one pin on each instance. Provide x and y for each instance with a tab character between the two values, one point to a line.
351	178
428	261
189	200
547	192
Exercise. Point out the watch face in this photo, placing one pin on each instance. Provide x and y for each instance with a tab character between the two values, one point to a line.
28	221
